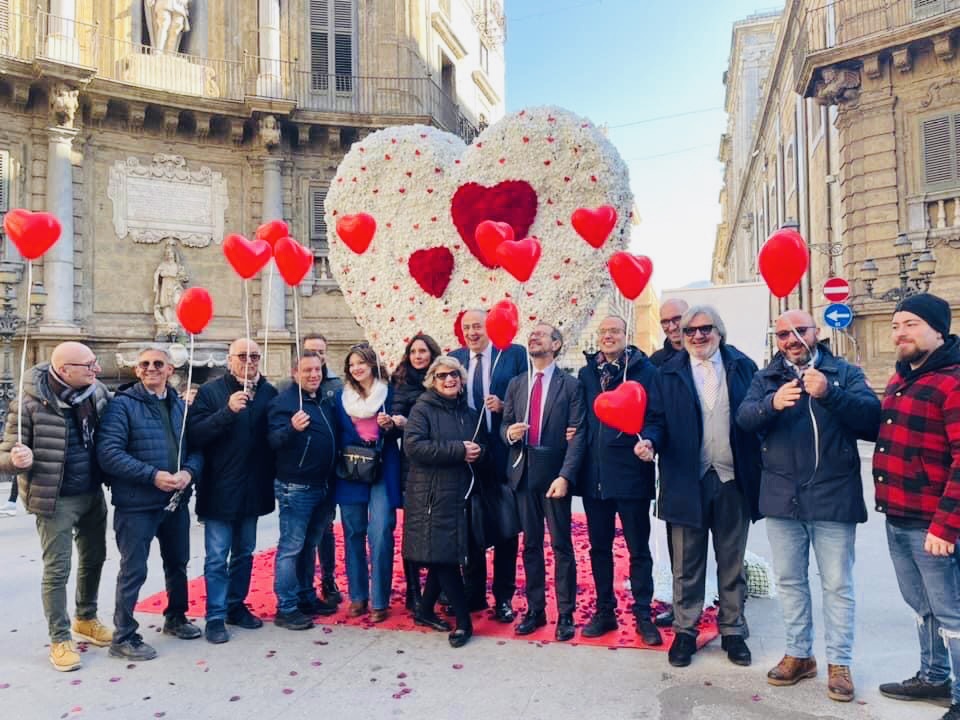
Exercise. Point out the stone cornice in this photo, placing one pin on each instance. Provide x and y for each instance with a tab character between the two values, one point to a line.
440	23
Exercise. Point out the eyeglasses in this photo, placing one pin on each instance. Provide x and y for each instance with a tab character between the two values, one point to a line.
252	357
667	322
441	376
156	364
610	331
784	334
704	330
92	365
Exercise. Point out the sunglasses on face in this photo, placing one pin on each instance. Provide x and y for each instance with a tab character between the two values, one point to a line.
667	322
704	330
155	364
442	376
252	357
785	334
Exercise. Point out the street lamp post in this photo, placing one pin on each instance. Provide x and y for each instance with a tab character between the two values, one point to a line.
917	266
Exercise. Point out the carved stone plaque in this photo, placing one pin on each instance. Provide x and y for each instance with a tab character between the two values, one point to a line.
165	199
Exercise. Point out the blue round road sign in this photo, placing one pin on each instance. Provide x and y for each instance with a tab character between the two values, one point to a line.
838	316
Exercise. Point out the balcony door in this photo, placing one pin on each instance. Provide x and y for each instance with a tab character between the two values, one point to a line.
333	51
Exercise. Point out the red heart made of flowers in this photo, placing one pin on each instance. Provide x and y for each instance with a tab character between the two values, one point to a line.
502	324
630	273
623	408
489	235
272	231
246	257
520	257
32	233
783	260
357	231
294	260
513	202
594	226
195	310
432	268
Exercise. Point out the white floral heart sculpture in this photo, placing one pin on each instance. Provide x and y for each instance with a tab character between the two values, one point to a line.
427	192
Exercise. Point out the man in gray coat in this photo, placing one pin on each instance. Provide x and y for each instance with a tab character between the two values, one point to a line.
542	466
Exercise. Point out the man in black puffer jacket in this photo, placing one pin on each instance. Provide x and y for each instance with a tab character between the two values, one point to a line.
228	421
146	465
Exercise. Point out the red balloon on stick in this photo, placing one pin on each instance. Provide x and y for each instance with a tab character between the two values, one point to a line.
502	324
623	408
594	226
783	260
33	233
519	258
246	257
489	235
195	310
630	273
272	231
294	261
357	231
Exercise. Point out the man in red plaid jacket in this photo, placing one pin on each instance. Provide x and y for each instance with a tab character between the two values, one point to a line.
916	470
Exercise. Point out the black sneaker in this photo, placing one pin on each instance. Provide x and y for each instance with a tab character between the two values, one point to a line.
648	631
216	632
134	649
953	713
295	620
242	617
600	624
180	627
317	607
916	688
331	593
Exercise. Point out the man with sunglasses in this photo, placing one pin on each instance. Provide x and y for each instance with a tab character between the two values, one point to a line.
146	461
810	408
710	480
49	443
228	422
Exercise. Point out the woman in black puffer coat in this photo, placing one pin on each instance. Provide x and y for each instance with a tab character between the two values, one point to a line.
407	383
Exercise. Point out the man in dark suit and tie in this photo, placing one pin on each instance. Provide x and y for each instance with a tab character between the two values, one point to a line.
542	467
487	380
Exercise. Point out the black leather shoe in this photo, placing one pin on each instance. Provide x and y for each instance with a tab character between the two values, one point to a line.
216	632
531	622
431	620
664	619
648	631
317	607
565	628
180	627
600	624
331	593
242	617
503	613
682	650
460	636
737	649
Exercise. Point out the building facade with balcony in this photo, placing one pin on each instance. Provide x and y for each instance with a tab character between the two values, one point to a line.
857	140
152	128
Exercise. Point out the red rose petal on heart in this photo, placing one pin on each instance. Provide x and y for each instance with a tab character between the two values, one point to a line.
525	139
546	162
386	157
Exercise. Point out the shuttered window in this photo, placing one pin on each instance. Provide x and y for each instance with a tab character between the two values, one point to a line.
5	45
929	8
4	181
941	152
318	225
332	33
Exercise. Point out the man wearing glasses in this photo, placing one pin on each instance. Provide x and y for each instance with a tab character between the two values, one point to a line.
228	422
711	478
146	461
55	460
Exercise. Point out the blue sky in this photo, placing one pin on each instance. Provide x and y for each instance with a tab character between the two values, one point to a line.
623	61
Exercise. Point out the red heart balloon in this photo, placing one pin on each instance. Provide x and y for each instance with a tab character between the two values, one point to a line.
490	234
520	257
272	231
502	324
783	260
630	273
195	310
32	233
623	408
245	256
594	226
357	231
294	261
431	268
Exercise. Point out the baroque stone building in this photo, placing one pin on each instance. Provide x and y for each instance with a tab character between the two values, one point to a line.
151	128
856	138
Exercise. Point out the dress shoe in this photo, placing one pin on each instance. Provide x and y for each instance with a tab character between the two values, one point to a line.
682	650
737	650
664	619
565	628
460	636
357	608
791	670
180	627
378	616
503	613
431	620
600	624
216	632
317	607
331	593
294	620
242	617
648	631
531	622
839	683
916	688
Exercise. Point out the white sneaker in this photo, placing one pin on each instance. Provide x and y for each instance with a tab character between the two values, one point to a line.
8	509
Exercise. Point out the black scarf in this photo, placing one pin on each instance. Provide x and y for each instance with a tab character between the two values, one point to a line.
83	403
611	372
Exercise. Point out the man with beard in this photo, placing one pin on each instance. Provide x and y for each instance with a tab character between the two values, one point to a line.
916	472
809	408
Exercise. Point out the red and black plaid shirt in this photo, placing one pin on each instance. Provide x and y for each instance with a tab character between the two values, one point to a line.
916	464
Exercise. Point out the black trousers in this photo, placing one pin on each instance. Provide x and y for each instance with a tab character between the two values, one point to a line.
446	577
328	552
135	532
504	572
534	509
727	518
601	526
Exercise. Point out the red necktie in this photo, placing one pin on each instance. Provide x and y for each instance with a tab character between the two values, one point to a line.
536	395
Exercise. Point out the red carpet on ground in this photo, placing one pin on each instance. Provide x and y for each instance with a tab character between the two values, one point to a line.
263	602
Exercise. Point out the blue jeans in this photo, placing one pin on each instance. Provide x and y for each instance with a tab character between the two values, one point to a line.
931	586
305	510
833	545
374	521
228	584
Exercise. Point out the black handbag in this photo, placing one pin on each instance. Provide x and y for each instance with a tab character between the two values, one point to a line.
494	517
360	463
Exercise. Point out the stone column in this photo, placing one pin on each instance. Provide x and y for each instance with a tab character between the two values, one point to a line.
269	78
273	210
199	38
62	31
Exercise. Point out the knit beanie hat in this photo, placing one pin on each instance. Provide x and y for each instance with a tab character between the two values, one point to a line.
933	310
